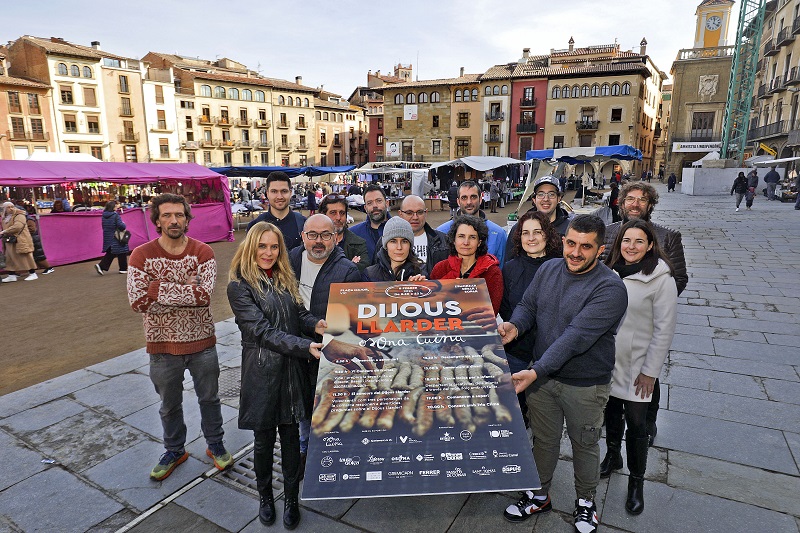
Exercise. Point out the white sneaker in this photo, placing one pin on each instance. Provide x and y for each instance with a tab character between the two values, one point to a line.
32	277
99	270
737	208
10	278
585	516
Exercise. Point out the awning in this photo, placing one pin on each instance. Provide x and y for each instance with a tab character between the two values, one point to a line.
759	159
480	163
263	172
771	162
710	156
16	173
577	155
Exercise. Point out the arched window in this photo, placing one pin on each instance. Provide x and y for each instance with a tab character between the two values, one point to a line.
297	102
565	91
219	92
205	90
306	103
291	101
488	91
410	99
615	89
626	88
233	94
260	97
398	99
576	91
556	94
281	100
340	117
604	89
247	94
474	95
458	95
434	99
504	89
319	115
74	70
325	116
87	72
422	98
62	69
585	91
495	90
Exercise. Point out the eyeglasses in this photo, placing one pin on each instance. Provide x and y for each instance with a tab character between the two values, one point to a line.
313	235
414	213
534	233
549	195
636	200
335	197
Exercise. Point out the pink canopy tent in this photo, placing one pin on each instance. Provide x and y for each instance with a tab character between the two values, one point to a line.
73	237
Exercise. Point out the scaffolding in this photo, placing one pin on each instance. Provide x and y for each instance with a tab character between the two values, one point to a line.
742	82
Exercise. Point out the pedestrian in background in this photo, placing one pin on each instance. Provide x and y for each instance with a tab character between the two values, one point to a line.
771	179
38	251
752	183
311	201
672	180
112	247
17	244
494	195
740	188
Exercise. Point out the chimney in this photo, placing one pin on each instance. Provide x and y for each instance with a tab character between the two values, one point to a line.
571	44
643	45
461	73
526	52
96	45
298	80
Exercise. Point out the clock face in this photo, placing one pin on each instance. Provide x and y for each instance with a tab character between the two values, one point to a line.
713	23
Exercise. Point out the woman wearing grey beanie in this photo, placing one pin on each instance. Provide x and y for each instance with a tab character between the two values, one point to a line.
396	260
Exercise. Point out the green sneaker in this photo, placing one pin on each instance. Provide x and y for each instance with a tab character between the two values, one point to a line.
222	459
167	464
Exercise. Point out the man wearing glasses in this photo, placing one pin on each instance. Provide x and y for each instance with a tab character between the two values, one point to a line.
317	264
637	200
547	194
279	192
334	206
371	230
429	245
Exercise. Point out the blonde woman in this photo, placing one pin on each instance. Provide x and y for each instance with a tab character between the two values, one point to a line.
276	392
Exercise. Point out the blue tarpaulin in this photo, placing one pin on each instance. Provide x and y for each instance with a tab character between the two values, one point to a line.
263	172
577	155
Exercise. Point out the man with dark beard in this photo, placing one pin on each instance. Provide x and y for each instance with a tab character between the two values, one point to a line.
317	264
371	230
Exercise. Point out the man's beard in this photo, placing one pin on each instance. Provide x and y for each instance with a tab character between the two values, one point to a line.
319	254
378	217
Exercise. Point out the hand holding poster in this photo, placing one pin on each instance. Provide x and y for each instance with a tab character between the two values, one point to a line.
414	396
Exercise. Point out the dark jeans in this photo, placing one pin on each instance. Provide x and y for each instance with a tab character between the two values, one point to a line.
750	195
290	458
634	414
166	373
122	260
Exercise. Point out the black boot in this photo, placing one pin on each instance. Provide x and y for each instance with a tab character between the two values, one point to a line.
615	427
291	512
266	508
637	463
613	458
652	413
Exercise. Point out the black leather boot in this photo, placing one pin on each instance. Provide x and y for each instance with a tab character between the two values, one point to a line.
652	413
291	512
262	465
637	463
266	508
615	427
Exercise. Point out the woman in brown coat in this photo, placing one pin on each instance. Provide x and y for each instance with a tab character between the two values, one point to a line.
17	243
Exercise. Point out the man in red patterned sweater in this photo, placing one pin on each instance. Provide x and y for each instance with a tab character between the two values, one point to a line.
170	281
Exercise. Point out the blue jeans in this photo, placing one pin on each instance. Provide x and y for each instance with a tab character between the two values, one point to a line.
166	373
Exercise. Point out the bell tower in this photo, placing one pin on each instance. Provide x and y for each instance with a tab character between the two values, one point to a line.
713	19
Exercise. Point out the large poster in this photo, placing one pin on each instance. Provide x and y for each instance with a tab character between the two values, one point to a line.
414	396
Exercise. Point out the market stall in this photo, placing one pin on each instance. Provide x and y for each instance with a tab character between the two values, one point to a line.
76	236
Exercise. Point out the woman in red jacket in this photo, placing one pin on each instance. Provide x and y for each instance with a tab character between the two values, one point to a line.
469	257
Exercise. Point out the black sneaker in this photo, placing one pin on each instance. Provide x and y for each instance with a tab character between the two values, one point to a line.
585	516
526	507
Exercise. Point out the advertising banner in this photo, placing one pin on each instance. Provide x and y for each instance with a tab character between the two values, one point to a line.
410	112
414	396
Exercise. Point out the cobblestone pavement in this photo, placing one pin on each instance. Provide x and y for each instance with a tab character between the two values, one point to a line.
726	456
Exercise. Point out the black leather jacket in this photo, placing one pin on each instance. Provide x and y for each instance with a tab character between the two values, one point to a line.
276	386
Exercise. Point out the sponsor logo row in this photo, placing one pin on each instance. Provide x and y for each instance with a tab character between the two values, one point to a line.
355	460
457	472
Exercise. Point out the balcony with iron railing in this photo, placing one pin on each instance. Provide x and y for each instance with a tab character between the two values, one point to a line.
284	147
493	138
246	144
223	121
587	125
128	137
337	143
770	49
762	91
263	145
688	54
527	128
162	127
205	119
209	143
776	85
793	77
497	116
190	145
125	111
323	142
770	130
261	123
282	125
27	135
302	125
303	147
242	122
230	144
527	102
785	36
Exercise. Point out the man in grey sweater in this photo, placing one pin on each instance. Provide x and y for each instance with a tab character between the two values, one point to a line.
576	306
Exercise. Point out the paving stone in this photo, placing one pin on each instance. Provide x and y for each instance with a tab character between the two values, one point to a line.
767	353
783	391
84	440
127	475
728	441
331	508
176	519
747	325
19	462
692	320
735	482
309	521
42	416
409	514
226	327
736	366
484	512
226	353
235	439
784	340
232	340
220	504
122	364
784	318
16	402
793	440
39	503
682	510
710	380
697	310
119	396
693	344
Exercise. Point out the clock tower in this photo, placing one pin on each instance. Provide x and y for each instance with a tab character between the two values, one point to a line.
713	19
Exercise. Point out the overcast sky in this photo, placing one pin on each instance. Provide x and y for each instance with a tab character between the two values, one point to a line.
335	43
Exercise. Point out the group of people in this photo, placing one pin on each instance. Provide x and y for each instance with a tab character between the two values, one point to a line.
22	251
745	187
588	312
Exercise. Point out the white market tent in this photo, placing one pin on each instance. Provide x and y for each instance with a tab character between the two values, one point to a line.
480	163
777	162
710	156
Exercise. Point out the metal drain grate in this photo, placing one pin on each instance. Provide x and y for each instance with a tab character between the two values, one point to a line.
230	382
243	475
